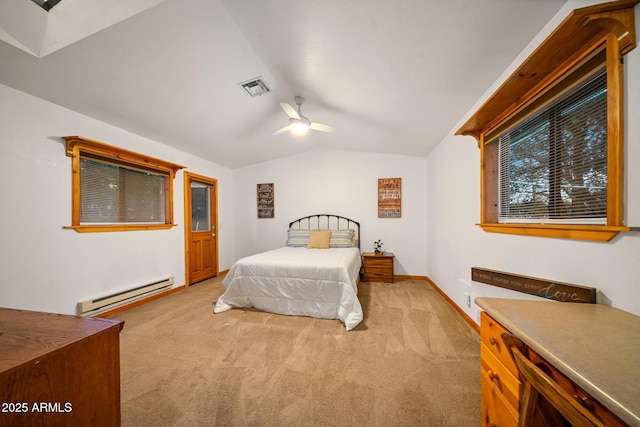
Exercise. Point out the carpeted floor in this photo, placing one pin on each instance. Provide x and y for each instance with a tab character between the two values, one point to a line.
411	362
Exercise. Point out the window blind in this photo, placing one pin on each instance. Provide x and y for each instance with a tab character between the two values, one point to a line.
552	166
113	193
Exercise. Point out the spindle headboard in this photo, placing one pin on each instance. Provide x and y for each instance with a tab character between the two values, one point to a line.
326	222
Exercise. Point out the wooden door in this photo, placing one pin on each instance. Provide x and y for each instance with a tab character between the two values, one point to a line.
201	240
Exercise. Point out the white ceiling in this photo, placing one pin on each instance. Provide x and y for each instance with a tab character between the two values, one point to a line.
393	75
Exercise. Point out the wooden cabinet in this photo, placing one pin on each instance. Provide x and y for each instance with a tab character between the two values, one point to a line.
378	268
501	388
495	411
58	369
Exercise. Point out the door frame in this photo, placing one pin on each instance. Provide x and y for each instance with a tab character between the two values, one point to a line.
188	179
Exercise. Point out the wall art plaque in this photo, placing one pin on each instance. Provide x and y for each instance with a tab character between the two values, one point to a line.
389	197
531	285
265	201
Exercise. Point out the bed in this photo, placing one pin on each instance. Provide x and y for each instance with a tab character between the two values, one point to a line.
316	274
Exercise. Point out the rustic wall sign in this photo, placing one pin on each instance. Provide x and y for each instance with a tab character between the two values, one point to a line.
529	285
265	201
389	197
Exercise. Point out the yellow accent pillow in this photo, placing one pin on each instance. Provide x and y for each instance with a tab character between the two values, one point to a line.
319	239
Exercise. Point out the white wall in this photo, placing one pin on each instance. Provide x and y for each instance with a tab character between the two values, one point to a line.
455	244
336	182
45	267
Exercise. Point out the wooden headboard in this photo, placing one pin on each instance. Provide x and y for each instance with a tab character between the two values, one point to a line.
326	222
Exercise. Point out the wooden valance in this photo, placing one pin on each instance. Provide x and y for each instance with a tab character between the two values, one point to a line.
556	55
117	153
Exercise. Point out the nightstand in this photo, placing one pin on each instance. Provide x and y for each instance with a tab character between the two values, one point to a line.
378	268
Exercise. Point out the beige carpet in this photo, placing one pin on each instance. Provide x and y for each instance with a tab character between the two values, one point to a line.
412	362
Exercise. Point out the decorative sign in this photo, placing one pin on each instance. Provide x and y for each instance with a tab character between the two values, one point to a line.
529	285
265	200
389	197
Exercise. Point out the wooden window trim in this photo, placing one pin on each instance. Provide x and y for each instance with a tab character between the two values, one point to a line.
582	33
75	145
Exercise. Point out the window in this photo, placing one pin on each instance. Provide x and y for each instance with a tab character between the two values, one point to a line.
112	193
551	138
116	189
552	167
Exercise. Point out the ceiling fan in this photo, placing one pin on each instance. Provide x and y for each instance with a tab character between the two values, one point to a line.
298	123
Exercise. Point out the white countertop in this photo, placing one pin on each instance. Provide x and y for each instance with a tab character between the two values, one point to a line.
596	346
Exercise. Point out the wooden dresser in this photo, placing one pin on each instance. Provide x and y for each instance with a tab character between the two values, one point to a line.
378	268
590	350
499	384
58	369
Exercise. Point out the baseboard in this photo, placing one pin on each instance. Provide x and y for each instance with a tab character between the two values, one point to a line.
460	311
399	277
140	302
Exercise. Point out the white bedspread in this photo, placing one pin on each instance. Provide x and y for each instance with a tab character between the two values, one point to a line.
319	283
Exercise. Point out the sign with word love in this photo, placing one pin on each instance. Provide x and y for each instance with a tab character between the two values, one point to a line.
530	285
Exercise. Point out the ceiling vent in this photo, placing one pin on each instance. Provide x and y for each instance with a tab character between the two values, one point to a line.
255	87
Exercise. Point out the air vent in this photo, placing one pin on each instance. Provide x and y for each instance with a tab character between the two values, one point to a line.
255	87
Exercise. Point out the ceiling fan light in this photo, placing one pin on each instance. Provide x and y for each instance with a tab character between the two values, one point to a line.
299	128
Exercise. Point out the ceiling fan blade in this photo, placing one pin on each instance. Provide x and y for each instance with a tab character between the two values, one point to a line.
323	128
291	112
281	130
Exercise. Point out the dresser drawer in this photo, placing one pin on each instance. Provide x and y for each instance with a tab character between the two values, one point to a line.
378	275
495	411
378	268
502	380
491	336
381	262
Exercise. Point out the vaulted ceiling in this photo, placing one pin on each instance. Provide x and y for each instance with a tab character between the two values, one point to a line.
393	75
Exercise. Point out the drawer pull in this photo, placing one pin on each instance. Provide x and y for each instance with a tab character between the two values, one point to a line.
494	376
493	424
585	402
493	341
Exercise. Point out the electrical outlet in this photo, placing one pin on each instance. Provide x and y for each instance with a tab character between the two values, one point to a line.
467	299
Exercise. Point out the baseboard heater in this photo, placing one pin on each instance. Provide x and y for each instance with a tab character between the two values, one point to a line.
109	302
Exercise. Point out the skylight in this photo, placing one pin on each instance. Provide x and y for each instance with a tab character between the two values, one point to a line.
46	4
